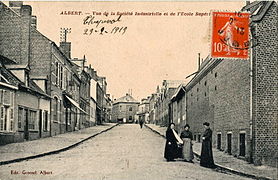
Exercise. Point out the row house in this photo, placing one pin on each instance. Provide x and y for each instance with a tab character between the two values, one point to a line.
84	91
152	110
144	110
163	99
21	120
38	61
177	108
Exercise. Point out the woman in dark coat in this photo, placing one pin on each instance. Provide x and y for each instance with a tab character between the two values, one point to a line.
171	147
187	150
206	153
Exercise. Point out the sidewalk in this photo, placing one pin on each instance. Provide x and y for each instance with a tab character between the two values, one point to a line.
228	162
41	147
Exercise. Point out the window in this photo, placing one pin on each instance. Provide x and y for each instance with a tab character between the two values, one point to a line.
215	88
61	114
61	76
205	94
32	119
11	119
215	75
2	118
130	118
55	109
45	125
57	72
20	117
130	108
197	89
1	96
5	118
205	83
7	97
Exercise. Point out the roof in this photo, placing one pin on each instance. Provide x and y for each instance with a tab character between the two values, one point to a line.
173	83
180	89
6	60
258	9
126	99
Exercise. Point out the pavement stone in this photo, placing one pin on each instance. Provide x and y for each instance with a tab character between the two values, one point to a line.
229	162
25	149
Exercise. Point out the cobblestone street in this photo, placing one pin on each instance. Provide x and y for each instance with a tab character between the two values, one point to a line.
125	152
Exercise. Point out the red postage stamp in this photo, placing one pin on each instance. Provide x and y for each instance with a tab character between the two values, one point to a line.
230	35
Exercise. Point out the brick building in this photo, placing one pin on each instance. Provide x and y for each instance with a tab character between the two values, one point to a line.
264	57
220	94
239	97
166	92
177	108
124	109
20	119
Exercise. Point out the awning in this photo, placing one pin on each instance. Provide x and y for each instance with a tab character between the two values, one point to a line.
73	102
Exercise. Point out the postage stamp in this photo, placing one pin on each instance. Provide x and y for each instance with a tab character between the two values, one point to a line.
230	35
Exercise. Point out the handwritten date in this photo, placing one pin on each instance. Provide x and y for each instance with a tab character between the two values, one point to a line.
103	30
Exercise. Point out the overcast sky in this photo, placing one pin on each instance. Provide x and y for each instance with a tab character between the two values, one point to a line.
152	48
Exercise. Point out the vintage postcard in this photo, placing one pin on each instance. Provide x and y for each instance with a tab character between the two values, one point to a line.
138	90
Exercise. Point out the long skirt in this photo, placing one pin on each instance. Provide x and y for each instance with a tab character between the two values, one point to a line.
206	155
187	150
171	151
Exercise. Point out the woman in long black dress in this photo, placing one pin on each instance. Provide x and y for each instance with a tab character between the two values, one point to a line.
206	153
171	147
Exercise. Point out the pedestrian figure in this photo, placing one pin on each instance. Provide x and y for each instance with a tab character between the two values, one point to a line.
187	151
206	153
141	122
172	140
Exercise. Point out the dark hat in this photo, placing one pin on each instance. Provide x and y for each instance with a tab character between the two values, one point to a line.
187	125
206	123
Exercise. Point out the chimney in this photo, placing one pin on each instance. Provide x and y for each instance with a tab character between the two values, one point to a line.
65	47
26	13
34	22
16	5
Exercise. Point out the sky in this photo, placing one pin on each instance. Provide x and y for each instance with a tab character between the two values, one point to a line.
152	48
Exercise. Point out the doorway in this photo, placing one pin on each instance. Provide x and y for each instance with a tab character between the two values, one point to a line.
229	143
26	127
242	144
219	141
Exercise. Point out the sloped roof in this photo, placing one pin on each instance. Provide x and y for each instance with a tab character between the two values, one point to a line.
258	9
181	88
126	99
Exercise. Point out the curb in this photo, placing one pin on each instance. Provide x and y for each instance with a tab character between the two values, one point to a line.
219	167
55	151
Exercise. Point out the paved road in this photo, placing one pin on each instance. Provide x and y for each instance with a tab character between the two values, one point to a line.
123	153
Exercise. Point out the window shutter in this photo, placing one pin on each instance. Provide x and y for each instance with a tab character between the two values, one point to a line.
7	97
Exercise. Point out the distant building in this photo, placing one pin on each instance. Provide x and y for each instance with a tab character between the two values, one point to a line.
162	102
177	108
143	112
124	109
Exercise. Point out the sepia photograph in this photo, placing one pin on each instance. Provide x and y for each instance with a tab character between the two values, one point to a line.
138	90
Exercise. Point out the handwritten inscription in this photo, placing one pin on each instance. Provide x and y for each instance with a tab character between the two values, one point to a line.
91	20
103	26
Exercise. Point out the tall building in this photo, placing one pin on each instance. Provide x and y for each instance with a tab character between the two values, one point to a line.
124	109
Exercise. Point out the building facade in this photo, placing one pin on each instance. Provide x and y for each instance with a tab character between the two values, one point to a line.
20	119
124	109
